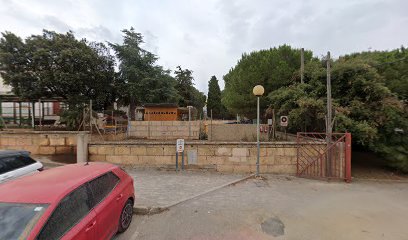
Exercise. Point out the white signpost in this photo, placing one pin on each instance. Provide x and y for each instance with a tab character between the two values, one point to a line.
180	149
284	121
180	145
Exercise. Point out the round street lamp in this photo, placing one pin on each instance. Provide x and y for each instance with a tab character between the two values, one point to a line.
258	91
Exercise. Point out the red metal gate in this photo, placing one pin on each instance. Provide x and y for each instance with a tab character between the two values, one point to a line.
322	156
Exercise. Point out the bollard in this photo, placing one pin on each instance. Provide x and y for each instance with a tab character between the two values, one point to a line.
182	160
82	147
176	161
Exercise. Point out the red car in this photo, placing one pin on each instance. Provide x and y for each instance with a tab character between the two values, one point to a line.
77	201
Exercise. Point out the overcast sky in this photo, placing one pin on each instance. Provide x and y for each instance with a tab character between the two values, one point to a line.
209	36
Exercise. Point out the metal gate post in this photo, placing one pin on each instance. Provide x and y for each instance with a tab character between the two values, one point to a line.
297	153
348	157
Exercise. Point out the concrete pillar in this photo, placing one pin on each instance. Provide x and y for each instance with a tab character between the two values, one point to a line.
82	147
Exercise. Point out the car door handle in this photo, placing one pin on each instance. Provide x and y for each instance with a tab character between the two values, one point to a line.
90	226
119	197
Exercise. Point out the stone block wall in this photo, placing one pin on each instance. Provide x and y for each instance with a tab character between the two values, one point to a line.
40	142
235	157
242	132
164	129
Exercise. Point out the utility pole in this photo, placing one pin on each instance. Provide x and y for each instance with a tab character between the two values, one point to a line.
302	65
90	117
329	97
329	117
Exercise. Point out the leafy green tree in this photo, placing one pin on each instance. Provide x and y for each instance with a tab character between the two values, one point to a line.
364	106
184	79
190	96
16	69
391	65
58	65
272	68
140	80
214	98
198	101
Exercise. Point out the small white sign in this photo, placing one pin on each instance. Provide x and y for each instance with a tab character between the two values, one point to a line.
180	145
270	121
284	121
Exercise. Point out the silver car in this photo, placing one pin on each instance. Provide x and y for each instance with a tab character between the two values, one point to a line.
14	164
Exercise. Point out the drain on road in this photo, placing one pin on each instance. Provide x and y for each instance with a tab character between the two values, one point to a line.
273	226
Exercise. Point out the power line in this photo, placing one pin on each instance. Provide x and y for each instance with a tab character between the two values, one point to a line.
376	65
399	60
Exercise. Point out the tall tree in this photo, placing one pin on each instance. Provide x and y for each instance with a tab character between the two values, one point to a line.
57	65
391	65
363	106
189	95
272	68
140	80
184	79
214	98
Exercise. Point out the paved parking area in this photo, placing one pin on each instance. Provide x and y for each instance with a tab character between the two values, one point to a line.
161	188
284	208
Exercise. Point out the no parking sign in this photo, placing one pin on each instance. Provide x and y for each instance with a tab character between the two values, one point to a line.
284	121
180	145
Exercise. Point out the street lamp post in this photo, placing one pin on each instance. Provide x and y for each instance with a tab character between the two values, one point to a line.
258	91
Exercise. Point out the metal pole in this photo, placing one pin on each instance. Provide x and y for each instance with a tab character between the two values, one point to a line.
302	65
182	160
33	115
189	123
348	157
14	113
211	127
329	116
29	113
176	161
1	113
257	138
40	111
274	124
90	116
19	114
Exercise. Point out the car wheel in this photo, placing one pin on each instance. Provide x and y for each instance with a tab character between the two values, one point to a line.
126	216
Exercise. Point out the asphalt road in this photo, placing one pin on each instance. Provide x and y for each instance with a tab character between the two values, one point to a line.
284	208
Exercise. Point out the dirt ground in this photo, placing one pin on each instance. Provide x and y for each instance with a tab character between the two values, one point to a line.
284	208
369	166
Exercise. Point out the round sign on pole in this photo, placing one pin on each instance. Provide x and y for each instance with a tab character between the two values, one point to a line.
284	121
180	145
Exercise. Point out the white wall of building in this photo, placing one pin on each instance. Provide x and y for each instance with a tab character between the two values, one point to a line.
4	88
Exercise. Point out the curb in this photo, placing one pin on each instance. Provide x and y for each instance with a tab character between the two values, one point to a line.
156	210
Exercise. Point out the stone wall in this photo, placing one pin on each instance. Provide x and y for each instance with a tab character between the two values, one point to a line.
164	129
242	132
234	132
40	142
220	156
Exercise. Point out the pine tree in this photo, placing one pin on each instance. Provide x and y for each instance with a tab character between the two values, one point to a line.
214	98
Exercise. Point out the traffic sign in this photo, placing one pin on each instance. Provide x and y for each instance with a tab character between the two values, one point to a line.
180	145
284	121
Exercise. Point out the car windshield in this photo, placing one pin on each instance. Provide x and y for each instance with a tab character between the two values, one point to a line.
18	219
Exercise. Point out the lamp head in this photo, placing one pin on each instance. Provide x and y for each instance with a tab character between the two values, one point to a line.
258	90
